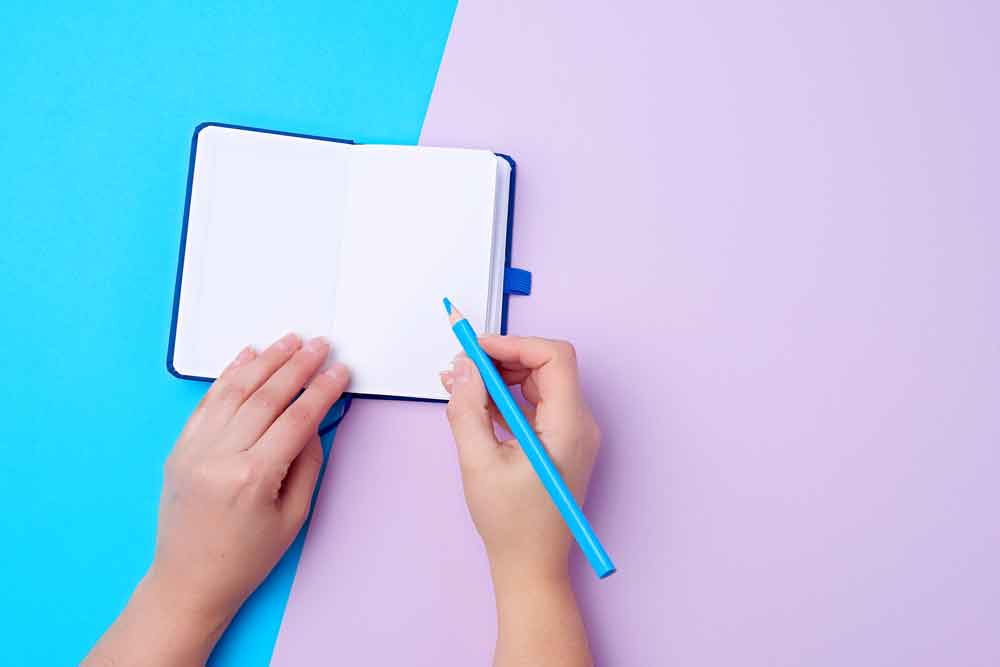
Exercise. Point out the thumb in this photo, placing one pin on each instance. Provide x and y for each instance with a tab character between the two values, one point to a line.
469	415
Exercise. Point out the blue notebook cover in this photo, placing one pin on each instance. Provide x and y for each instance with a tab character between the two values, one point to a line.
516	281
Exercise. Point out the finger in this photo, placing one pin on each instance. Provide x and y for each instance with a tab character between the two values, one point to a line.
203	418
524	378
235	386
552	362
529	414
271	399
469	416
300	482
516	376
448	381
529	389
247	354
296	426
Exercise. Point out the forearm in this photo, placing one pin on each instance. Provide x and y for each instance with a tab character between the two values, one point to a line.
538	619
157	629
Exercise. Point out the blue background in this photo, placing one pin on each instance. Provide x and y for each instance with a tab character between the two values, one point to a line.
97	107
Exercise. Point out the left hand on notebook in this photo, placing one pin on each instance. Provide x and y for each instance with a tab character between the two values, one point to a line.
237	489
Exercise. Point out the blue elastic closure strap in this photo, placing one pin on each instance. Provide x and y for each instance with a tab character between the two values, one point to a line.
335	415
516	281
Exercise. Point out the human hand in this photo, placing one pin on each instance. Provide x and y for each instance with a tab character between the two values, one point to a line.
526	540
237	489
520	526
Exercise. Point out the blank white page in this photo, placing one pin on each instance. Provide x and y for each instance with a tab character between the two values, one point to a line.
262	242
420	227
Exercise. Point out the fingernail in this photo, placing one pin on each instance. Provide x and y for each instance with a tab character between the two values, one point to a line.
245	355
337	370
447	381
288	342
317	344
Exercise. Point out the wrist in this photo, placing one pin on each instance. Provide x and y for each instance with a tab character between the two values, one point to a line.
159	627
186	597
540	558
511	575
192	624
538	621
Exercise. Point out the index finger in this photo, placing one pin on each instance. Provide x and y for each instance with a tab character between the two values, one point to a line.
552	363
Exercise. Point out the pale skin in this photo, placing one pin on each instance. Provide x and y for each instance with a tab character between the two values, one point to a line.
238	485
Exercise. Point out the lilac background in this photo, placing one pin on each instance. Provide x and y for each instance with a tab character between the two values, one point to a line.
771	229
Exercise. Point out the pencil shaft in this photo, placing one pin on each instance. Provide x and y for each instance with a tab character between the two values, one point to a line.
535	451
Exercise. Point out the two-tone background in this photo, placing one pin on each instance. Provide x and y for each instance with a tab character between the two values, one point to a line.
771	229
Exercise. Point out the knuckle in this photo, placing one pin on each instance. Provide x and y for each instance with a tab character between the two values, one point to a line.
317	457
323	385
301	413
536	342
232	392
299	364
566	350
314	450
322	381
247	475
267	400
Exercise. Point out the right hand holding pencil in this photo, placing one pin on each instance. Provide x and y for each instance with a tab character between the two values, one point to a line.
527	541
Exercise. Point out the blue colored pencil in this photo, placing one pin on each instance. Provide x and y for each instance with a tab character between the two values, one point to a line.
532	446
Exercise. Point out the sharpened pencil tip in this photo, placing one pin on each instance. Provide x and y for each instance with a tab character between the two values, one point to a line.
454	314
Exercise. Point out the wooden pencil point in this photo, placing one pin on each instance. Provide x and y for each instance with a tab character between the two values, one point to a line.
454	315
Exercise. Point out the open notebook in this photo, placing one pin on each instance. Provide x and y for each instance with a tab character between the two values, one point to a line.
354	242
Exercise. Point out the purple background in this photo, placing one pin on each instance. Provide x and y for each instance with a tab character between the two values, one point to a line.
771	230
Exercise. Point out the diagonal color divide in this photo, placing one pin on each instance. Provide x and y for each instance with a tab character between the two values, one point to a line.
769	231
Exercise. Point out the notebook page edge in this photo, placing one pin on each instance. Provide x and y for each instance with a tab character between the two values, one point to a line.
498	263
